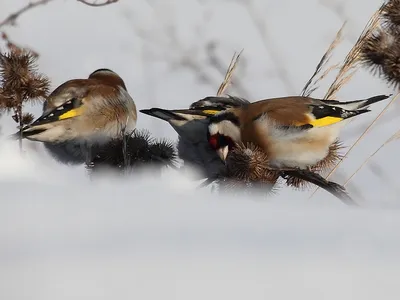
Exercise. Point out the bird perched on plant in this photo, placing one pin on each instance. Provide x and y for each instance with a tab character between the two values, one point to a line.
92	110
295	132
191	126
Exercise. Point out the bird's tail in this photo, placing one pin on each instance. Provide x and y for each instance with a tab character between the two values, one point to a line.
357	104
26	133
178	114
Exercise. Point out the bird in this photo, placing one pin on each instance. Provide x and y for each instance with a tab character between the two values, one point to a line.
191	127
294	131
83	111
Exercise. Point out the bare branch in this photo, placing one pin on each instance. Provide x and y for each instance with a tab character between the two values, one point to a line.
10	20
97	4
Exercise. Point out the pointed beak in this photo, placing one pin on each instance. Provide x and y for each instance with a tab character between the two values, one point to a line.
223	153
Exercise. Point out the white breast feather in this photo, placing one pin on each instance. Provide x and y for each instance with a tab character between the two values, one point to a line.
297	148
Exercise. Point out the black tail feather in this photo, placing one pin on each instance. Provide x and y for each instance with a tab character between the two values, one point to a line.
335	189
375	99
162	114
25	134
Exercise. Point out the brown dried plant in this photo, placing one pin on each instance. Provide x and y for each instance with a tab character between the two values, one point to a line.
229	72
353	58
381	55
247	166
20	83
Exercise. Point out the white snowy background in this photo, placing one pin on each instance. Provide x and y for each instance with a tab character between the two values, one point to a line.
63	236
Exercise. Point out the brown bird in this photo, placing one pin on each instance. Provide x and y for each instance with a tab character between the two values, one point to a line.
295	132
83	111
97	108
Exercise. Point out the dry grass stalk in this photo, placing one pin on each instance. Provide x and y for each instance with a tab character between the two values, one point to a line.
20	83
352	60
311	84
381	54
367	160
228	76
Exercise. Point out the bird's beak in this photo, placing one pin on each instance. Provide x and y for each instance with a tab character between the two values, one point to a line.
223	153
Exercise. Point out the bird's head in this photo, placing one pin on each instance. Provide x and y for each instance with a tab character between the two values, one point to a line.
223	133
108	77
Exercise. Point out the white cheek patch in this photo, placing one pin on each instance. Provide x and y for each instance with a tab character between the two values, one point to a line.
226	128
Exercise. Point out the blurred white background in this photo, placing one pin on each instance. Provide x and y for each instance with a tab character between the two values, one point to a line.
63	236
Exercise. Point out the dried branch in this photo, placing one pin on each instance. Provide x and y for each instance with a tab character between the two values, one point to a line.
311	84
228	76
11	19
97	4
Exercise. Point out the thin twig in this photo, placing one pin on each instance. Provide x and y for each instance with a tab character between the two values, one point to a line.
95	4
229	72
10	20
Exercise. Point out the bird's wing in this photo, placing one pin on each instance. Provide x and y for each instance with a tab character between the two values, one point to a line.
219	103
179	114
301	114
69	109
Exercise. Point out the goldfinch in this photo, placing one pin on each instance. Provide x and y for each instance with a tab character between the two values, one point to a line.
191	126
94	109
295	132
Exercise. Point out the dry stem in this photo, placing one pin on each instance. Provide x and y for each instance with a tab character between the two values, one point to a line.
229	72
353	57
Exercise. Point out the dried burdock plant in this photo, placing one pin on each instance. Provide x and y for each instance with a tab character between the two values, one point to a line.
312	83
131	153
247	169
324	165
20	83
391	15
381	51
228	76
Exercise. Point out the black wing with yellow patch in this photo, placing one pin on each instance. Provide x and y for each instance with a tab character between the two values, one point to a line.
69	109
325	115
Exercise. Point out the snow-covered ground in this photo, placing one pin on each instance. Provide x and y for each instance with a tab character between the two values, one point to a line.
63	236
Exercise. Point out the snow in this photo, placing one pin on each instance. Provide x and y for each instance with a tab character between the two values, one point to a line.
63	236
